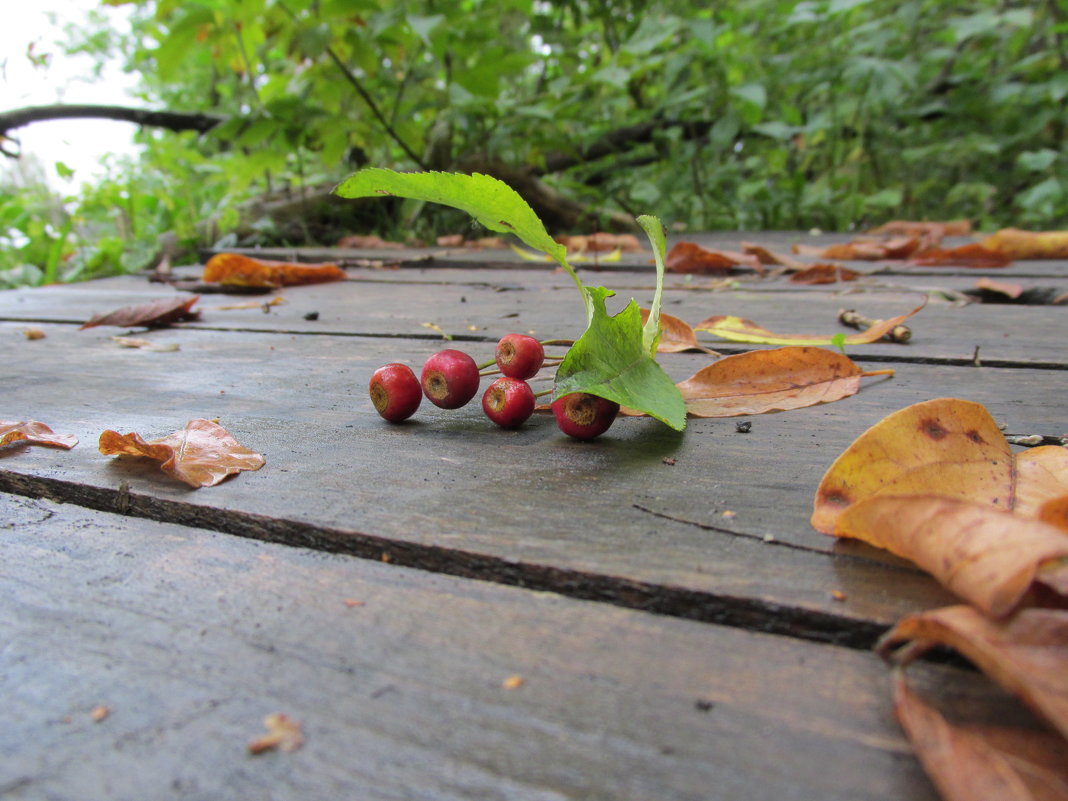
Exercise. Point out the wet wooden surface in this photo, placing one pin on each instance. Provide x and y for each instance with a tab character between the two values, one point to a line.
680	629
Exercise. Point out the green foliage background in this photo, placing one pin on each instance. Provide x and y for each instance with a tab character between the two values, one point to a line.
764	114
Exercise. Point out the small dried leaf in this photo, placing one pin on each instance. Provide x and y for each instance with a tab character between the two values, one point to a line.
676	335
824	274
99	713
513	682
769	381
1016	244
33	433
738	329
32	332
981	761
367	242
989	557
964	256
771	257
600	242
283	734
145	344
1027	654
911	228
689	257
201	455
865	249
155	314
234	269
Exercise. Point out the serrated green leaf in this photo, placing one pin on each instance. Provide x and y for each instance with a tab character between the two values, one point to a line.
490	201
654	229
612	361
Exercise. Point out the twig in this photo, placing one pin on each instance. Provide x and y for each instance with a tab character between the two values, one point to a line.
899	333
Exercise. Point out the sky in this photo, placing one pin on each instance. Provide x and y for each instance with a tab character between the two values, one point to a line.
79	144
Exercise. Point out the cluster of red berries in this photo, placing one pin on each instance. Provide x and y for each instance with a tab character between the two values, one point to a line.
451	378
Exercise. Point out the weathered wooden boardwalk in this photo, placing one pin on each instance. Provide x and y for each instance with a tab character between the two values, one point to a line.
680	630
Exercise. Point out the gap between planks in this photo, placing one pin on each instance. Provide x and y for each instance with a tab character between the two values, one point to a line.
751	614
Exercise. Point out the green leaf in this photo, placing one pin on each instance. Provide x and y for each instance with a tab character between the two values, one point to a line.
493	203
654	229
611	361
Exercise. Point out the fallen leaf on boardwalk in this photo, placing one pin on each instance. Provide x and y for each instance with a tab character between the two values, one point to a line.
969	762
771	257
252	304
689	257
513	682
99	713
911	228
824	274
155	314
283	733
1026	654
770	381
483	243
947	447
234	269
144	344
600	242
574	258
201	455
738	329
1020	245
33	433
1010	291
367	242
989	557
33	332
964	256
676	335
865	249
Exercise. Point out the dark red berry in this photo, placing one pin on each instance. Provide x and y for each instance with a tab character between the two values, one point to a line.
508	402
395	392
519	356
450	379
584	416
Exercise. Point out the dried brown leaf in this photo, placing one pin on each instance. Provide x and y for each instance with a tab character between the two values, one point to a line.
201	455
771	257
33	433
367	242
283	734
912	228
824	274
689	257
969	762
1026	654
989	557
154	314
676	335
770	380
972	255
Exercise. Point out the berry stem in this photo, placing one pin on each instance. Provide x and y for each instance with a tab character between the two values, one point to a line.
561	342
544	392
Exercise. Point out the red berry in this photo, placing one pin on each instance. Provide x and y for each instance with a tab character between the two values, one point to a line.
450	379
508	402
519	356
395	392
584	416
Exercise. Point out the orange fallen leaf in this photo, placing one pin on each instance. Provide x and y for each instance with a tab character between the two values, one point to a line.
99	713
992	558
976	761
864	249
1010	291
513	682
1055	512
824	274
33	433
738	329
1017	244
32	332
948	447
1026	654
367	242
911	228
201	455
964	256
689	257
154	314
234	269
676	335
771	257
283	733
770	380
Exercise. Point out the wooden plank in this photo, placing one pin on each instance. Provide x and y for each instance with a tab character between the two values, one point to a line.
450	492
1005	335
190	638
